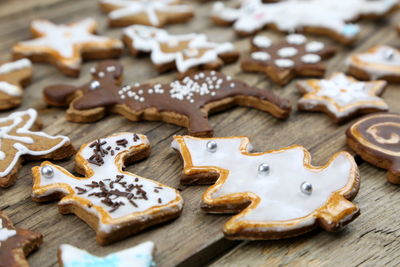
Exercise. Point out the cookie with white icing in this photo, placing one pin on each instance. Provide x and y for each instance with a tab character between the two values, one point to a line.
376	138
186	102
16	243
155	13
342	97
278	193
285	60
20	140
66	45
114	202
138	256
186	52
14	76
379	62
323	17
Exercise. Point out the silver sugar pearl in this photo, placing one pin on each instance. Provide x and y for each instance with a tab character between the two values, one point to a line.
212	146
93	70
306	188
47	172
263	169
94	85
388	54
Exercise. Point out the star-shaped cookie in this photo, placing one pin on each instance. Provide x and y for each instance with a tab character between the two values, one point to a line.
114	202
20	140
187	53
379	62
13	76
16	243
66	45
138	256
186	102
146	12
342	97
285	60
277	194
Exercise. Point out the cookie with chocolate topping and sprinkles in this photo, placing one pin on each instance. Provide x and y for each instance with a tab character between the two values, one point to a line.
115	203
186	102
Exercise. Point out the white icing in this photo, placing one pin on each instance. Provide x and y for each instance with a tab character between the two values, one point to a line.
109	170
296	39
129	8
284	63
262	41
10	89
64	39
5	233
279	190
347	95
310	58
262	56
294	15
15	119
314	47
138	256
149	39
15	65
287	52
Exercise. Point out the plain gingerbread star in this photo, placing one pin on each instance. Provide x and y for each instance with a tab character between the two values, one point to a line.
115	203
16	243
278	193
66	45
342	97
186	52
186	103
146	12
379	62
138	256
13	76
19	140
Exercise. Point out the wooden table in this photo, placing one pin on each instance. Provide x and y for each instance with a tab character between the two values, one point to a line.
195	238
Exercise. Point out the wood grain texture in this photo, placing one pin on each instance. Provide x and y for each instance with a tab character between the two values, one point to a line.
195	238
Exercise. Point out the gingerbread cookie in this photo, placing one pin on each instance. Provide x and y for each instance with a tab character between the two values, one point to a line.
379	62
66	45
324	17
20	141
16	243
185	103
187	53
115	203
145	12
13	76
286	60
342	97
376	138
138	256
278	194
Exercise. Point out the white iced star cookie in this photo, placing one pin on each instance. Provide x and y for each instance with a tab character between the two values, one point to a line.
138	256
66	45
277	193
146	12
186	52
379	62
342	97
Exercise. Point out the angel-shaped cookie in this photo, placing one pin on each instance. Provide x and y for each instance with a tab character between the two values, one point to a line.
115	203
186	52
277	194
20	140
16	243
13	76
66	45
342	97
146	12
379	62
185	103
138	256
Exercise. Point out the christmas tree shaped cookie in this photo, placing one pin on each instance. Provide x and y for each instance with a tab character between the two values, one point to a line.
114	202
277	194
